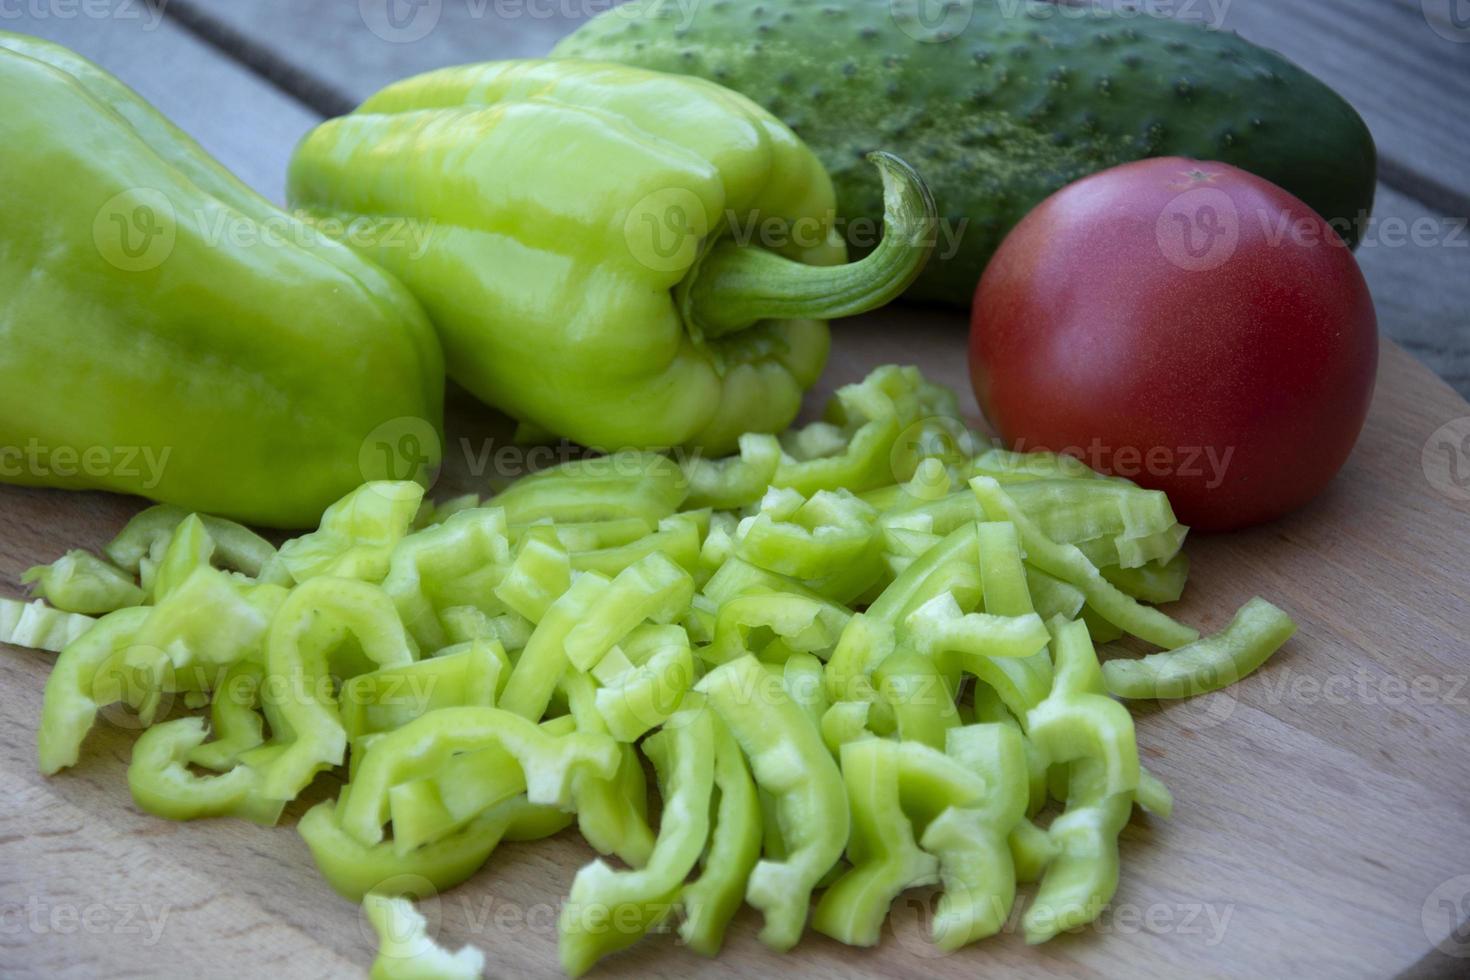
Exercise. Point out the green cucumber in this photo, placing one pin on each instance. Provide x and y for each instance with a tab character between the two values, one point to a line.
998	103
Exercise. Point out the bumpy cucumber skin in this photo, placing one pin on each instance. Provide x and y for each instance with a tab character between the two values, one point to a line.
998	103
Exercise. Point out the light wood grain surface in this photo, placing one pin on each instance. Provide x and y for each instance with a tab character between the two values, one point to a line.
1323	820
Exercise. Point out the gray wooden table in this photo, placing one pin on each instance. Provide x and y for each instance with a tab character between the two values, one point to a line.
249	77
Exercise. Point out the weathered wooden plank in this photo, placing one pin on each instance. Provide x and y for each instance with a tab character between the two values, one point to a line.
1404	65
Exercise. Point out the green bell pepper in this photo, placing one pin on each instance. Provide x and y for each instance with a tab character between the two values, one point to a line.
171	333
653	323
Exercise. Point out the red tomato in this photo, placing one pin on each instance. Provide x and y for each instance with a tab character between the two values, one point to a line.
1187	325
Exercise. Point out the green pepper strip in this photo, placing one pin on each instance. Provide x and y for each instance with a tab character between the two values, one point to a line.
584	535
189	548
711	900
609	910
1070	565
862	464
1032	850
629	484
938	626
1083	876
236	546
1155	582
1258	630
1003	582
431	513
801	678
427	810
313	622
539	575
68	708
542	662
677	539
1122	520
863	645
405	951
790	762
972	841
951	566
919	695
1050	596
354	870
885	858
162	784
643	695
654	588
391	697
612	814
729	484
457	563
548	764
822	537
989	708
357	533
794	618
738	577
237	726
36	626
80	582
844	722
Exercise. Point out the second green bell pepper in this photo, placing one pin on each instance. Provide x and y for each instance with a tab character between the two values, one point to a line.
623	304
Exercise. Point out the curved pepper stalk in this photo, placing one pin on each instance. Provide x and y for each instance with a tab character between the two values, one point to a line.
735	286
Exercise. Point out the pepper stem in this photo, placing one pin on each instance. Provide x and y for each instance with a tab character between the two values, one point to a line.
735	286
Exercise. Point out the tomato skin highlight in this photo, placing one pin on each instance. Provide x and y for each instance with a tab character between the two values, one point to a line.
1184	324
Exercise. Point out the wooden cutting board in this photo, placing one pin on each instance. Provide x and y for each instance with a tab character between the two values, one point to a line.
1322	825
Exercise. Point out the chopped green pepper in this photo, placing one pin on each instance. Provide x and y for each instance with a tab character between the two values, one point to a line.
790	762
609	910
1258	630
710	901
881	847
405	950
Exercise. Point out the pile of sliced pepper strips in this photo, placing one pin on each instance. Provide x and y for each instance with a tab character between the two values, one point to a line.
859	657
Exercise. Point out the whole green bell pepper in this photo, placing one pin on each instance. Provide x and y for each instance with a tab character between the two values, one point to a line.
170	333
626	303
